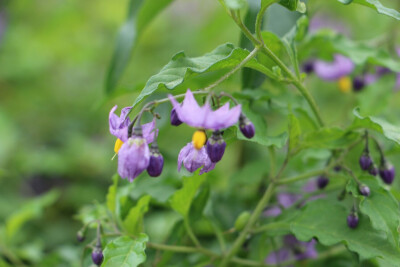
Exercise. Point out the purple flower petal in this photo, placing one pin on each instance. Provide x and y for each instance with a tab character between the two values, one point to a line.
278	256
119	125
204	117
193	159
149	133
133	158
288	199
272	211
331	71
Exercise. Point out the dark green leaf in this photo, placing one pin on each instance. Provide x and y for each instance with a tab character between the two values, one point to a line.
376	5
294	132
181	67
389	130
294	5
134	220
112	194
199	203
125	252
182	199
141	12
331	138
326	220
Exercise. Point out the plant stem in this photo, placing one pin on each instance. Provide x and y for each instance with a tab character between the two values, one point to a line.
191	234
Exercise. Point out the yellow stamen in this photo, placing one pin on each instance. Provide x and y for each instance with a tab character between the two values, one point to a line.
199	139
118	145
345	84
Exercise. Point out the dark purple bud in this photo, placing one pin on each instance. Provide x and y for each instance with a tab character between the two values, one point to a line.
308	67
364	190
373	170
246	126
365	161
97	256
387	173
80	236
215	147
322	182
156	162
174	118
358	83
337	168
352	220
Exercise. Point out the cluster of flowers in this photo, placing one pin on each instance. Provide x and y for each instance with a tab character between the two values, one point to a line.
340	70
132	145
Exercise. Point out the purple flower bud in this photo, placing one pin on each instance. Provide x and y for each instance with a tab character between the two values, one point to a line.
358	83
337	168
365	161
156	162
352	220
174	118
80	236
373	170
97	256
364	190
246	126
215	147
322	182
308	67
387	173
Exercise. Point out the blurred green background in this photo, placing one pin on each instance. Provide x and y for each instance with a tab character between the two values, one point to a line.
54	134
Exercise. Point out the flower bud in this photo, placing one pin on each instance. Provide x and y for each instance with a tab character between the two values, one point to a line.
387	173
308	67
246	126
322	182
242	220
97	256
337	168
215	147
174	118
358	83
156	162
80	236
364	190
373	170
352	220
365	161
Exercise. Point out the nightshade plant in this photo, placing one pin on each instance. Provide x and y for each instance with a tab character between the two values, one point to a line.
270	216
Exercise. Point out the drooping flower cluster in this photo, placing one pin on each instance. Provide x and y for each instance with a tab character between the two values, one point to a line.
132	145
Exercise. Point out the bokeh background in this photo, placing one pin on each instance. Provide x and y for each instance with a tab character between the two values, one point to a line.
55	148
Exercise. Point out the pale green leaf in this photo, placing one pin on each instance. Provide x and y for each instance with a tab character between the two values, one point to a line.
294	132
134	220
125	252
376	5
236	4
111	198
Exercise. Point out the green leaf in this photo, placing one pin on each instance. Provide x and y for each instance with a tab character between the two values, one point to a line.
380	207
261	136
236	4
31	210
199	203
141	13
294	132
134	220
182	199
326	220
125	252
111	198
182	67
376	5
389	130
294	5
330	138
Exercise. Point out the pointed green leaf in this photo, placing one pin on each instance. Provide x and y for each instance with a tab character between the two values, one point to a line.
182	199
181	67
236	4
125	252
199	203
389	130
134	220
328	137
326	220
376	5
112	194
294	132
294	5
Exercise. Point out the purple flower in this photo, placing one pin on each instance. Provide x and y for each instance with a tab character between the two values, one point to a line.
133	157
352	220
365	161
97	256
215	147
322	182
387	173
119	126
331	71
204	117
293	249
194	159
323	21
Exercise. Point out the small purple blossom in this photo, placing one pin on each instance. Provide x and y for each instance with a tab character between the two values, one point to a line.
174	118
331	71
365	162
215	147
322	182
204	117
364	190
352	220
373	170
246	127
387	173
133	157
194	159
156	162
97	256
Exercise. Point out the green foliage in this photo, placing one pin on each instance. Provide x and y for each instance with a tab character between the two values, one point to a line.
235	4
133	222
294	5
125	251
140	14
326	220
376	5
112	194
294	132
242	220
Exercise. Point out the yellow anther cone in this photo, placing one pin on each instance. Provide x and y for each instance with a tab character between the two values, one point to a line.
118	145
199	139
345	84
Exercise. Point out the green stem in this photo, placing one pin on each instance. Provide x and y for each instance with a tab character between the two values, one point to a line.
259	19
191	234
